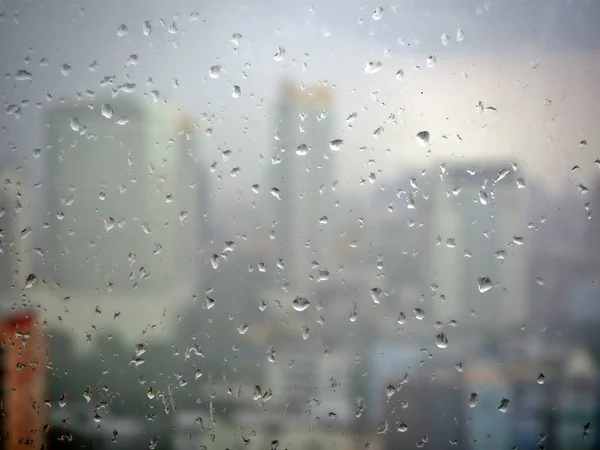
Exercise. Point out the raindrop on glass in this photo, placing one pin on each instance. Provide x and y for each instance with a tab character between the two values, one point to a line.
423	138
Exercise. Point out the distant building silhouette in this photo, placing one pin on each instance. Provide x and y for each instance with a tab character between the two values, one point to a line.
477	254
124	197
302	176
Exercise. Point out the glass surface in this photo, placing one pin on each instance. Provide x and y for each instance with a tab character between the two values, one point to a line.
288	225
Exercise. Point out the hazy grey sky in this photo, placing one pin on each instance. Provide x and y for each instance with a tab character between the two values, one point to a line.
504	41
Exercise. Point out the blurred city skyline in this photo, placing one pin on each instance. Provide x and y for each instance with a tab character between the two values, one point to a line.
302	226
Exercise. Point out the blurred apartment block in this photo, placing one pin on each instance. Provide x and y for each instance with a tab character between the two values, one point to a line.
121	223
476	259
303	176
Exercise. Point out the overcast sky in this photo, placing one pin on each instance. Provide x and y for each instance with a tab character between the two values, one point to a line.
509	48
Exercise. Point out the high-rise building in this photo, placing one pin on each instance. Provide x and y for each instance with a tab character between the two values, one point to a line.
125	197
302	179
477	252
15	232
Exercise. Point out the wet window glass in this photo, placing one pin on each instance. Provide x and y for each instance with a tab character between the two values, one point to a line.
295	225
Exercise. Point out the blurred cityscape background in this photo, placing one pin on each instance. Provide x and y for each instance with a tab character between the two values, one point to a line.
306	227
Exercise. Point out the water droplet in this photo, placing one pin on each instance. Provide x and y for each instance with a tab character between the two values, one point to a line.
389	391
378	13
460	35
483	198
300	304
214	260
521	183
401	318
151	393
65	70
441	340
419	314
236	92
375	295
431	61
400	75
484	284
140	349
445	39
423	138
276	193
504	405
215	71
473	399
236	39
23	75
302	149
373	67
518	240
122	30
271	354
64	398
147	28
75	124
242	329
402	428
30	280
354	313
87	394
279	54
541	379
305	332
336	144
107	110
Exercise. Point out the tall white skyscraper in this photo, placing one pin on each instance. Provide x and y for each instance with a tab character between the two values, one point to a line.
477	254
124	196
302	179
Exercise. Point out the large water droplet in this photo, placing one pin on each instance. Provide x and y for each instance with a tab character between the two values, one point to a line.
122	30
423	138
541	379
473	399
336	144
279	54
373	67
378	13
215	71
484	284
441	340
64	399
302	149
431	61
300	304
107	110
147	28
504	405
483	198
